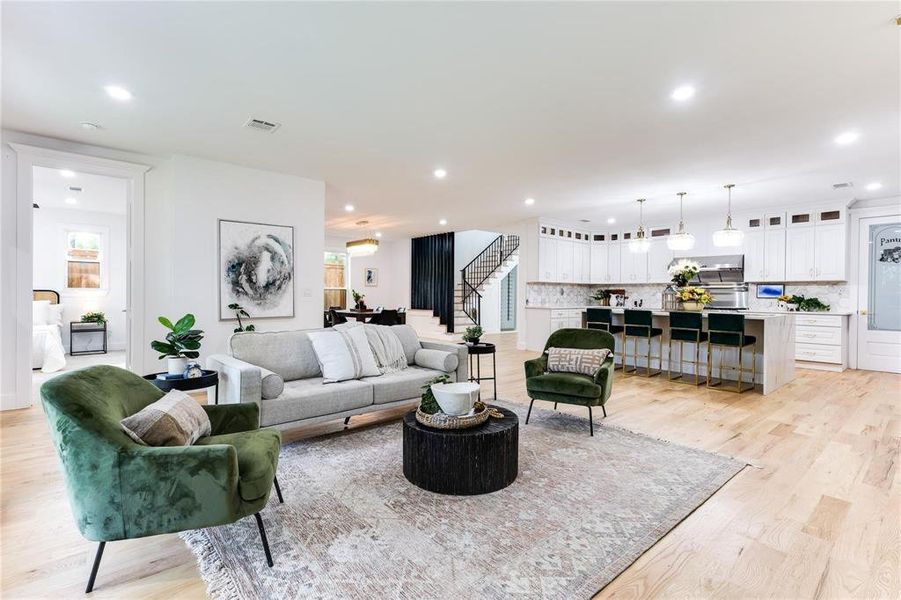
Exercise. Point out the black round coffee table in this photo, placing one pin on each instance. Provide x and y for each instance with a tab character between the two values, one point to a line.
462	462
186	384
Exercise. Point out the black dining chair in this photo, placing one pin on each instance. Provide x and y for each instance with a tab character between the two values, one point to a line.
335	316
386	317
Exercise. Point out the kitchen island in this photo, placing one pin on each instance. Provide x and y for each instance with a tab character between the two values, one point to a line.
775	333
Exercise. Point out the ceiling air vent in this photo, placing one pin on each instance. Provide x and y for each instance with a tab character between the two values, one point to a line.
842	186
74	188
261	125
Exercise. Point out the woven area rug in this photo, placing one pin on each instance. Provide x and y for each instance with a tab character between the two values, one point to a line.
581	510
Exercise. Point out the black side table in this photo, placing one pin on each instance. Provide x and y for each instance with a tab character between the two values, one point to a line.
187	384
79	327
478	350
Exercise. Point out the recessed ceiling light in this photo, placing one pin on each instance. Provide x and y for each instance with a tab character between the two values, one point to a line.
611	220
71	200
378	234
68	173
87	125
848	137
872	187
440	173
117	92
530	201
442	222
683	93
349	207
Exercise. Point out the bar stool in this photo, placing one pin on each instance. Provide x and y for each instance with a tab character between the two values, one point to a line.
728	331
602	318
639	325
686	327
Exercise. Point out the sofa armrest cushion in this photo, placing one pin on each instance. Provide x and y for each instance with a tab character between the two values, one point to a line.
271	384
462	352
439	360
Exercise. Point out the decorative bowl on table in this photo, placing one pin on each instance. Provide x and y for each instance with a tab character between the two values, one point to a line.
478	415
456	399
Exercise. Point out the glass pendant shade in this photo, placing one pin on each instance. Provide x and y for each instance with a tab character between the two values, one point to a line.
364	247
640	243
682	240
729	236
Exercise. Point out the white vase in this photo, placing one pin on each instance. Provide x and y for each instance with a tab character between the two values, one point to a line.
177	365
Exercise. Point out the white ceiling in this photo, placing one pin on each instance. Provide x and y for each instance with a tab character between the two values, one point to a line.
565	102
99	193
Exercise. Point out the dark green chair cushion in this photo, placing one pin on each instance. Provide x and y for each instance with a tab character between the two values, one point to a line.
257	457
731	339
642	331
684	335
569	384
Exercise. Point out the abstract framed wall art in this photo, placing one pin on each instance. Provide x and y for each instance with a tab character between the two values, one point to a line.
770	290
256	269
371	277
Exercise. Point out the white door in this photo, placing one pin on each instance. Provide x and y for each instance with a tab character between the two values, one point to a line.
755	269
799	253
829	252
879	295
547	259
598	262
774	255
564	260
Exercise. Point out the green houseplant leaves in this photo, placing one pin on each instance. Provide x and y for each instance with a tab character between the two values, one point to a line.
181	340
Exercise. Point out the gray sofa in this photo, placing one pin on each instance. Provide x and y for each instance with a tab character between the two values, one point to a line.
258	362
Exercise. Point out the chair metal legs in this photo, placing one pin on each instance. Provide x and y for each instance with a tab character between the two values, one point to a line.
528	414
263	538
96	566
590	423
590	416
739	384
278	491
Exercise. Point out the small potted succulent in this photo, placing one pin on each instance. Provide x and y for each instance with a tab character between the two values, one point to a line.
602	297
694	298
472	334
181	343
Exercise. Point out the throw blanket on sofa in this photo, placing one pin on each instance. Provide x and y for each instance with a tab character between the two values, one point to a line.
386	346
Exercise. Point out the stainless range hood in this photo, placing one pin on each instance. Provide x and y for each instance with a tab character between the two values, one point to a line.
724	277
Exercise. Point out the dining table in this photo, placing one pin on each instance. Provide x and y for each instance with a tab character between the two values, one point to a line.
359	315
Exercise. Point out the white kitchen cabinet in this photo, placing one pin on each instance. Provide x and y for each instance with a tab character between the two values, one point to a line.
547	259
598	259
581	262
634	265
659	258
774	255
614	259
564	261
821	341
755	255
799	254
829	243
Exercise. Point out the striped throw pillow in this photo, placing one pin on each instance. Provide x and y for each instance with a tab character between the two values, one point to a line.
576	360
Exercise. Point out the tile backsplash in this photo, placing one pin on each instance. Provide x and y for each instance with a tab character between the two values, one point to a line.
837	295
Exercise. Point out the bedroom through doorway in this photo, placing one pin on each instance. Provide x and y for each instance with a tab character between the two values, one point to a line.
79	271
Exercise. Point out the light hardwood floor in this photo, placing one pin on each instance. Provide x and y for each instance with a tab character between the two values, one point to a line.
818	517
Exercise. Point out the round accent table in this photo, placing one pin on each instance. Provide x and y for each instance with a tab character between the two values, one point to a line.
185	384
478	350
462	462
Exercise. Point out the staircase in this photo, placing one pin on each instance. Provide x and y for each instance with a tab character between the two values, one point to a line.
485	270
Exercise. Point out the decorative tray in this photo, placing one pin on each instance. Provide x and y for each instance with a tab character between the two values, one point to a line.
439	420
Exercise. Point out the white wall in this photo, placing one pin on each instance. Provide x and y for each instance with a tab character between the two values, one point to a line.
393	263
184	197
467	245
49	242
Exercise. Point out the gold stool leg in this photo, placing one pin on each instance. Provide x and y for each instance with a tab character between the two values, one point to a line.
669	361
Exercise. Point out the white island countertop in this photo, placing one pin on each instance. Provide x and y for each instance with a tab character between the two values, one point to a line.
751	313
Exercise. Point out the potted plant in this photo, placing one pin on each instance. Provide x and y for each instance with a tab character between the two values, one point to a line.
694	298
803	304
181	343
472	334
240	312
358	300
602	297
93	317
683	272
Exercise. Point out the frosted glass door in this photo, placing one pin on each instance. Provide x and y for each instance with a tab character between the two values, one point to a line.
879	323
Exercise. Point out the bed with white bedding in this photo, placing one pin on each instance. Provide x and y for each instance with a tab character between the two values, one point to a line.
47	353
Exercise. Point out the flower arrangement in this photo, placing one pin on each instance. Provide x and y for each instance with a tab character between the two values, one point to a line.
683	272
804	304
696	295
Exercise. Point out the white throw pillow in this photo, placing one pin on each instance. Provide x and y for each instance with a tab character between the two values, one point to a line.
55	314
39	311
343	354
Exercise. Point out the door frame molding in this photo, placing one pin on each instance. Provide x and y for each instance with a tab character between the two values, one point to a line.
28	157
856	279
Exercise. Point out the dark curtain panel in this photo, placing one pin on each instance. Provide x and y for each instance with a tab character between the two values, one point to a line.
432	276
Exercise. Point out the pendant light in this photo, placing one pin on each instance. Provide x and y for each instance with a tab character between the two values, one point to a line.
681	240
364	247
728	237
640	243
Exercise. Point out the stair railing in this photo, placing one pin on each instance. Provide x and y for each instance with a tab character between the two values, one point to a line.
480	269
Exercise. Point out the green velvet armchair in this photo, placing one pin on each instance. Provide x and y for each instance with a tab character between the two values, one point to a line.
119	489
572	388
